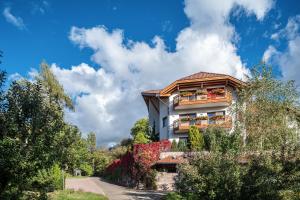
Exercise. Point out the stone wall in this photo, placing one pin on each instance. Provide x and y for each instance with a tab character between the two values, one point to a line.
165	181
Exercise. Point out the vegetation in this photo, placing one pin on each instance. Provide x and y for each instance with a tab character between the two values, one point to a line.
141	138
142	126
75	195
36	144
195	139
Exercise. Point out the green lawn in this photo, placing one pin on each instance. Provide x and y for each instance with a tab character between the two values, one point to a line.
75	195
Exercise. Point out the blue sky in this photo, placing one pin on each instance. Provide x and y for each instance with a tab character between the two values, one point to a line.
48	24
106	52
46	32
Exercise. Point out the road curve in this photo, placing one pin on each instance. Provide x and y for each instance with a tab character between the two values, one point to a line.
112	191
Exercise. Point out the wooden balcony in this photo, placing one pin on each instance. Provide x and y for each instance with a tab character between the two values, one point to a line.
182	126
194	100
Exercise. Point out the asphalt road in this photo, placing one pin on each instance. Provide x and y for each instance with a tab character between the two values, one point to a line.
113	192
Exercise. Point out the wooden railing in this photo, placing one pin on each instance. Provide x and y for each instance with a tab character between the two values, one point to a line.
194	98
181	125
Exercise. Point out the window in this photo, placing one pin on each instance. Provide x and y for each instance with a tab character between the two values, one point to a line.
164	121
188	119
216	117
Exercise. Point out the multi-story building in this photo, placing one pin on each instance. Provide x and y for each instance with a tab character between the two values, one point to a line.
202	99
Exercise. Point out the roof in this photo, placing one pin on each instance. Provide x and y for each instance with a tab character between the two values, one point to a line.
171	160
201	75
151	92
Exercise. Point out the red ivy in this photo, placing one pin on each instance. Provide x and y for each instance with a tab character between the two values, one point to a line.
139	162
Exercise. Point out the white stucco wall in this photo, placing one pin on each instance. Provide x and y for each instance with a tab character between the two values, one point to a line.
154	115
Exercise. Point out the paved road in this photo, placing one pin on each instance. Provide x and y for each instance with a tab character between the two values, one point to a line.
113	192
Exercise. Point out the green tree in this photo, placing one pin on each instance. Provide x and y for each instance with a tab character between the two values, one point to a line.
266	109
54	89
195	139
141	125
91	142
174	146
32	118
141	138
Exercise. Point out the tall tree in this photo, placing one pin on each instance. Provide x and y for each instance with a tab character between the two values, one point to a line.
54	89
266	109
195	139
91	141
31	125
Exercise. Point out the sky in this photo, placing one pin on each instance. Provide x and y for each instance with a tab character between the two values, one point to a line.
105	53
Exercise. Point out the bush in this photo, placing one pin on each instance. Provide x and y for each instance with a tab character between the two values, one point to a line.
210	177
87	170
182	146
195	139
219	140
269	177
150	180
173	196
174	146
48	180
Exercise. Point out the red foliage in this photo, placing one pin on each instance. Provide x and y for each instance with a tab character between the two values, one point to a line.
124	164
139	162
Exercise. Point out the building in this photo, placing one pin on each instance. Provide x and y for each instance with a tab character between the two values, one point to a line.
202	99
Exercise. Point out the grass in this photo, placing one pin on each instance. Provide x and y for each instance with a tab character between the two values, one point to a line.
75	195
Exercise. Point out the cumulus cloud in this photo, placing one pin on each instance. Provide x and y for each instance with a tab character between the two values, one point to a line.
14	20
288	60
269	53
108	99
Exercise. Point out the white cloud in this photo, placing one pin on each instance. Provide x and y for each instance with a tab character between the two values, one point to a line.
108	99
269	53
288	60
290	31
14	20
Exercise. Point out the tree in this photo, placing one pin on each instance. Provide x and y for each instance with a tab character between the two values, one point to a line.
141	125
32	120
174	146
195	139
91	141
53	88
266	111
141	138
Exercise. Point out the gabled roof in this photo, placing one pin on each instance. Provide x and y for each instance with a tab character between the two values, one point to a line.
200	77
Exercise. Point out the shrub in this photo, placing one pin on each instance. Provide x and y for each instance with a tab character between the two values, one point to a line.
173	196
174	146
48	180
269	177
87	170
210	177
195	139
219	140
182	146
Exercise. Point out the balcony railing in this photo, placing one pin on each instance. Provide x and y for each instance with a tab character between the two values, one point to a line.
201	99
183	125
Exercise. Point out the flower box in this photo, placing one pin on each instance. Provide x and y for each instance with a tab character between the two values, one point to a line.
202	118
185	94
201	92
202	97
219	91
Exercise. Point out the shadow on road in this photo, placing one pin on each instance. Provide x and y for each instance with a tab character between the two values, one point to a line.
151	195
